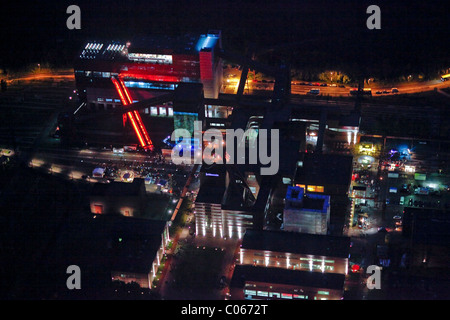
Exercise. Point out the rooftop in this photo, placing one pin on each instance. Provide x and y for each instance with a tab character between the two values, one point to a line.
296	198
162	44
294	242
212	187
109	242
324	169
103	50
418	223
151	45
245	273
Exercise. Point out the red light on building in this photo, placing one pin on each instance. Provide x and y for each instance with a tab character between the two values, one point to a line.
356	268
135	118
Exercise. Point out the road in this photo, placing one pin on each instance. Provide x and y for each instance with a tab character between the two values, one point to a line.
232	75
66	75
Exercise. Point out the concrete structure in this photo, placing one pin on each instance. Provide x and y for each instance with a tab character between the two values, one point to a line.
296	251
118	198
137	250
290	265
306	213
221	208
149	66
259	283
328	174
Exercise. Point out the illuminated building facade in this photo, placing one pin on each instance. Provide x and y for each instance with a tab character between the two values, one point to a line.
222	208
139	250
260	283
296	251
148	67
307	213
290	265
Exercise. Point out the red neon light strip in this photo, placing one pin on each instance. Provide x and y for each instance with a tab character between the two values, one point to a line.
130	114
150	77
141	124
137	116
143	144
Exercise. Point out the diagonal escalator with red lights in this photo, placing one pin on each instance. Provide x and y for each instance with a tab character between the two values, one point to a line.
134	116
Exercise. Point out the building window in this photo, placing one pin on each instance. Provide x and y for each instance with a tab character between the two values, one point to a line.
312	188
98	208
286	296
263	293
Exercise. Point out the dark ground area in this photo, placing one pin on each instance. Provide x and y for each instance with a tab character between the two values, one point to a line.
309	35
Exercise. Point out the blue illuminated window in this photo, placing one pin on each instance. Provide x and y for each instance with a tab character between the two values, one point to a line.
150	85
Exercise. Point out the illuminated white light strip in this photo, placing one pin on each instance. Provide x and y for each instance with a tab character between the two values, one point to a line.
81	105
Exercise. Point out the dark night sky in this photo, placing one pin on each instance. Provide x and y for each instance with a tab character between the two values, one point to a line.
413	32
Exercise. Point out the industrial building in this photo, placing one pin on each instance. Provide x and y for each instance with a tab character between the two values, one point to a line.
306	213
290	265
118	198
323	173
222	206
112	75
148	66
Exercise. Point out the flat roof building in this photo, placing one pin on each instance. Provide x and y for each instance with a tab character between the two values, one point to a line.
306	213
297	243
291	263
220	205
120	198
260	283
324	173
148	65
